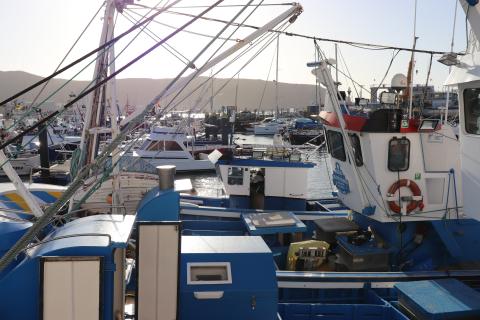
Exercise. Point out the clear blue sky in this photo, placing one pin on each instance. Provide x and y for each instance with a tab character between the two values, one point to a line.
36	35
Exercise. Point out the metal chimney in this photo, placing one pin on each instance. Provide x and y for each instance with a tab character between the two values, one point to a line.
166	177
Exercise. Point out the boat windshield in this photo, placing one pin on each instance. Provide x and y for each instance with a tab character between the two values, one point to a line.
145	144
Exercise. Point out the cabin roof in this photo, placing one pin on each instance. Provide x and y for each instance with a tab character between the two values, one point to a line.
91	231
225	244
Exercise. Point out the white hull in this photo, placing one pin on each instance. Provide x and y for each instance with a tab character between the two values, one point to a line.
266	130
23	165
183	165
133	186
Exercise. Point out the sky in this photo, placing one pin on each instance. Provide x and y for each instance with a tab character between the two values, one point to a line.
37	34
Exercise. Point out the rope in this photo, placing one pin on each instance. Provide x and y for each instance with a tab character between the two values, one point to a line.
156	38
78	181
266	82
185	31
74	161
68	52
367	46
168	107
104	46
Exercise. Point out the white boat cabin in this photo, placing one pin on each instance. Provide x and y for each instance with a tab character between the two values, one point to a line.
260	183
397	169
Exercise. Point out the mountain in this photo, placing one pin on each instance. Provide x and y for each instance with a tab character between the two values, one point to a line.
139	91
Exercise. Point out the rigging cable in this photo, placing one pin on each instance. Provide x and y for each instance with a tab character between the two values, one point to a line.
233	60
174	52
82	92
266	82
165	109
100	83
43	221
394	55
298	35
185	31
273	37
348	71
104	46
68	53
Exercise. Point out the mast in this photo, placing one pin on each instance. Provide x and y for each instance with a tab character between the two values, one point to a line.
276	77
95	119
450	67
88	144
412	64
336	62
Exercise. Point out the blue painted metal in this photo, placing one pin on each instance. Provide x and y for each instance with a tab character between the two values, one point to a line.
448	238
239	202
369	211
11	231
284	203
252	293
439	299
359	305
158	205
472	2
340	180
97	236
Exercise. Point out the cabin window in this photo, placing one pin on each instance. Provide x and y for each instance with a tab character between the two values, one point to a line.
209	273
399	154
235	176
145	144
335	145
172	146
471	99
155	146
357	149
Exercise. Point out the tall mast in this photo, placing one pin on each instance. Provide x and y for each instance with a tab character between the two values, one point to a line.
89	142
276	76
450	68
95	119
412	64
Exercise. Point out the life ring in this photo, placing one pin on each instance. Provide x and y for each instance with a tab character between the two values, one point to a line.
416	200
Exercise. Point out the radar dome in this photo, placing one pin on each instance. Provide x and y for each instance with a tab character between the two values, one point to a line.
399	81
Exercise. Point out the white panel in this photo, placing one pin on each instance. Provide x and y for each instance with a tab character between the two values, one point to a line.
274	182
71	289
435	188
434	155
295	183
158	272
239	190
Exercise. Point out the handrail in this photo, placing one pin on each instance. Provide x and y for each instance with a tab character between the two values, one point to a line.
334	276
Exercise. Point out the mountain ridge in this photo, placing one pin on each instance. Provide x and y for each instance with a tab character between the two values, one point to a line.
139	91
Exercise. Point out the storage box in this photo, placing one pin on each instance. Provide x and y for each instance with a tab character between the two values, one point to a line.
446	299
365	257
329	228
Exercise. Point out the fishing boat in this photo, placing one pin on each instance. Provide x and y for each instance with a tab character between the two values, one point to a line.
305	130
271	265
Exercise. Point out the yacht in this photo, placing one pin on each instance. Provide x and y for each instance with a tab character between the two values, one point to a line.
169	145
269	126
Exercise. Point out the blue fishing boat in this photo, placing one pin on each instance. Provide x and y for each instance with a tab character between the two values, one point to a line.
393	245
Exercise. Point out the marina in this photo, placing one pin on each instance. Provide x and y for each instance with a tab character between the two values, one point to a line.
277	171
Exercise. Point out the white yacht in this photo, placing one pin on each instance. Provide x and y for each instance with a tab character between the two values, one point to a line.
168	145
269	126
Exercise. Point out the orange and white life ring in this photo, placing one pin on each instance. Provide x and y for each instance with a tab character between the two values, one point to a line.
415	202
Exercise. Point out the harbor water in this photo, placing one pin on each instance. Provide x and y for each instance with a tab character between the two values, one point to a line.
319	179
